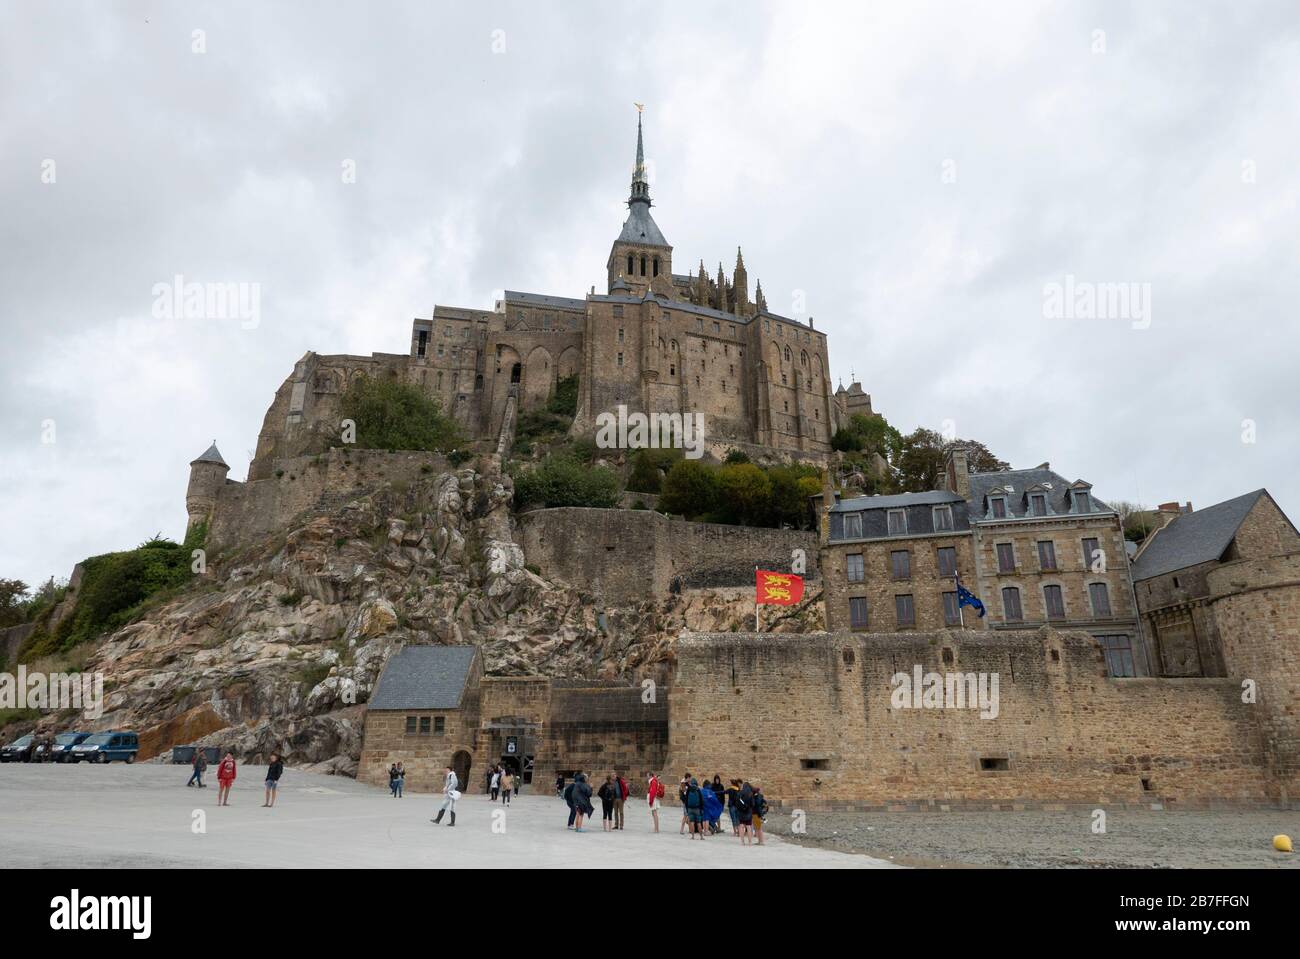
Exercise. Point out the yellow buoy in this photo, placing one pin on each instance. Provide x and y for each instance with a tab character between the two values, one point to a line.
1282	843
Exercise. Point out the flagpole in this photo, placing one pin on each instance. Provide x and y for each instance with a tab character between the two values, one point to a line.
756	629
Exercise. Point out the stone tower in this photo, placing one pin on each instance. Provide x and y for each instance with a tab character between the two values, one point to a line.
641	256
207	476
740	280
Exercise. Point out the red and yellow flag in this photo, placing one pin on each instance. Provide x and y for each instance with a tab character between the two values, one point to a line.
778	589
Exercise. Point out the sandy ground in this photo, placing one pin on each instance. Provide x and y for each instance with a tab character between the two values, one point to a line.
1133	838
144	816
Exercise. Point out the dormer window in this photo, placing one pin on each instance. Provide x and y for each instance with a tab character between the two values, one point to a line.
942	518
1037	504
1082	501
998	507
853	526
897	520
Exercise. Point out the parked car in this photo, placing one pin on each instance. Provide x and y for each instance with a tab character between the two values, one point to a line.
106	747
18	751
62	747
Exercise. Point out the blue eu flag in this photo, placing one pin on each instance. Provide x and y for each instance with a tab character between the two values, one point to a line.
966	598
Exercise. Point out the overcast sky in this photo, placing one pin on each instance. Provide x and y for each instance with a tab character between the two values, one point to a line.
921	172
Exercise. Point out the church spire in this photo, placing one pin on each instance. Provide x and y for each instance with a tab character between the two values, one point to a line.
640	186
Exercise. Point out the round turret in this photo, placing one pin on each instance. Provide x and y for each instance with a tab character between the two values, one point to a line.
207	476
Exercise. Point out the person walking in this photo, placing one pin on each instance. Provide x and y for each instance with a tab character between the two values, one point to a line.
401	779
653	793
760	812
624	790
507	786
745	813
682	786
273	773
496	783
226	772
606	793
450	793
392	780
199	764
582	800
570	800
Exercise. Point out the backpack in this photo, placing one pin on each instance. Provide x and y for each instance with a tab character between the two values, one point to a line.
760	805
693	797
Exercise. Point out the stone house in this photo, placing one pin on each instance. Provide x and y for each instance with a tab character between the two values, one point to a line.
1172	568
1047	551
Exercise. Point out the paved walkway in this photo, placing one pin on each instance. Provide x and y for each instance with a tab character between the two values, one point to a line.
142	815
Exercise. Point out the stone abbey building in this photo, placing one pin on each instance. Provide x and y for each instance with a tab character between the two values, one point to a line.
655	341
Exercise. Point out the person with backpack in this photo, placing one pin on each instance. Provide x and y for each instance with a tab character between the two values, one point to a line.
582	800
694	805
273	773
760	811
200	763
607	792
745	813
226	772
732	792
623	792
450	793
507	784
570	800
653	793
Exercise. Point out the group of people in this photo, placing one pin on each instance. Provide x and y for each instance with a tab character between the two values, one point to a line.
396	779
702	804
227	770
501	783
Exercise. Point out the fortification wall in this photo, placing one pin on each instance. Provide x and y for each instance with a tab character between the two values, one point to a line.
627	555
811	718
1256	609
246	511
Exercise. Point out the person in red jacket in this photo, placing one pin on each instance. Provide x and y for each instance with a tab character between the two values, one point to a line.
225	779
653	793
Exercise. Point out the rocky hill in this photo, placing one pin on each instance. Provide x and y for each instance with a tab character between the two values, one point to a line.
278	644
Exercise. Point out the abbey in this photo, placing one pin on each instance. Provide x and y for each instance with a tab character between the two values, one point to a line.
655	341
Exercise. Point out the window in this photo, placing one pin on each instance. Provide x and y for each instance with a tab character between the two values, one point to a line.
942	518
1046	555
1006	557
1100	597
1011	605
440	379
854	569
618	311
717	327
897	520
410	725
643	264
905	610
656	266
814	764
1119	655
858	612
1054	603
424	725
951	610
423	342
947	558
672	369
853	526
439	725
630	271
1082	501
620	359
1037	504
620	334
1090	552
998	507
441	349
900	563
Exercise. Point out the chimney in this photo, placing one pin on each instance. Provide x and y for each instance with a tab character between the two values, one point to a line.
1166	513
957	465
828	504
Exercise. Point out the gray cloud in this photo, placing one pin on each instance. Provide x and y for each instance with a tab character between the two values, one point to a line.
816	138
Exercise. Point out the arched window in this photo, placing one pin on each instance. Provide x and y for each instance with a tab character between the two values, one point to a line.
803	357
656	266
674	346
630	270
643	264
787	354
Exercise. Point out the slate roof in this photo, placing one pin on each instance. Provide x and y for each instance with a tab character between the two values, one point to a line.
1193	538
929	498
981	484
539	299
640	227
211	455
424	677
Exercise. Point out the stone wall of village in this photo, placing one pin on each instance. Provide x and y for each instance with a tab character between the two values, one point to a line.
811	718
632	555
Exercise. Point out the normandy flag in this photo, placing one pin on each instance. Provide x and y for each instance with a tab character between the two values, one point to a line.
778	589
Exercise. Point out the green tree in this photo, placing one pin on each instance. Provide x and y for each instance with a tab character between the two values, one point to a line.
392	415
689	489
648	468
744	494
922	456
563	481
13	602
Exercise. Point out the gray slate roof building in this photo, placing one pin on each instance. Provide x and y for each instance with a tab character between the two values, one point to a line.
424	677
1194	538
900	501
1019	483
211	455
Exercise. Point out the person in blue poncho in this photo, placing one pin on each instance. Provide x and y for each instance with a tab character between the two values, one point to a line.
712	809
